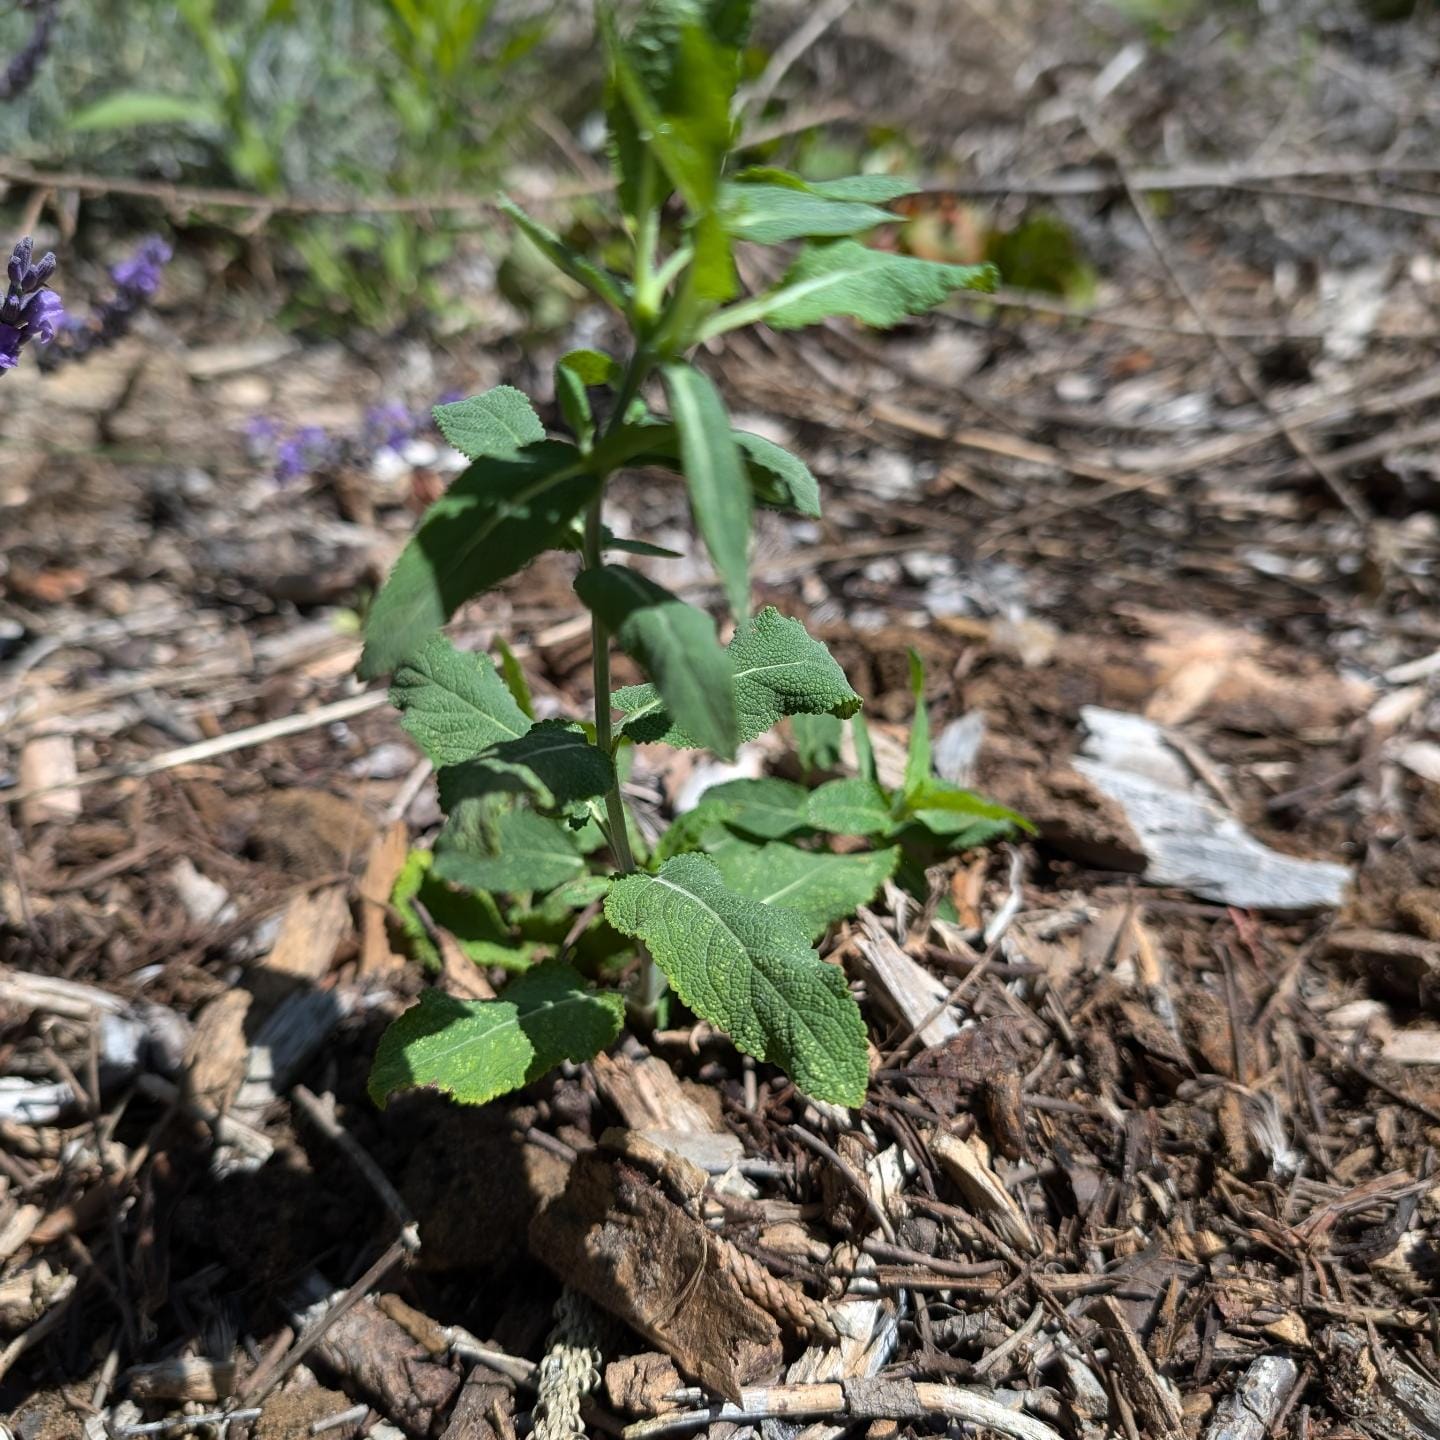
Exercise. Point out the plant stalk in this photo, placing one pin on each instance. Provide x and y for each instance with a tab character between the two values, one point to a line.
652	981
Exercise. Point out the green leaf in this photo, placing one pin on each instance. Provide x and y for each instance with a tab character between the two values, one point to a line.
767	808
595	278
492	522
472	917
850	807
947	810
575	375
639	547
777	670
474	1050
864	750
777	477
748	968
867	189
819	887
127	109
517	852
514	676
676	645
697	829
719	489
817	741
498	424
452	704
669	91
847	278
917	756
553	763
767	214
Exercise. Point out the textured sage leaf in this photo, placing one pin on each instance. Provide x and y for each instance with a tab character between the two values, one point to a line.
853	806
777	477
847	278
675	644
498	424
817	740
868	189
470	916
454	704
768	214
697	829
553	763
511	853
491	522
777	670
749	969
917	754
819	887
580	268
768	807
474	1050
719	488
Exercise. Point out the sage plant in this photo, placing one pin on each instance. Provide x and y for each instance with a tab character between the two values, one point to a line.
725	909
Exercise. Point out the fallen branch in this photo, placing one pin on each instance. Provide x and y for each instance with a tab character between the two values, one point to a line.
864	1399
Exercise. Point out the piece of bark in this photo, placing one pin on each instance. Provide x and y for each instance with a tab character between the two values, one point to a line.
49	761
1153	1398
907	989
387	858
651	1100
1249	1410
616	1238
186	1377
1376	1390
485	1396
1189	840
642	1384
967	1163
314	925
369	1351
215	1064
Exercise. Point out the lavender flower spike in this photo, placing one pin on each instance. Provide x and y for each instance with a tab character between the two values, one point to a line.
29	310
140	274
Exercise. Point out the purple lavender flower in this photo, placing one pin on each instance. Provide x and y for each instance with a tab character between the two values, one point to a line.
136	278
307	448
29	310
389	426
141	273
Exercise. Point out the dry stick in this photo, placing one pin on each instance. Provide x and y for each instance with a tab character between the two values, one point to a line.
815	1143
1237	362
790	50
253	735
858	1399
1097	181
260	1384
322	1112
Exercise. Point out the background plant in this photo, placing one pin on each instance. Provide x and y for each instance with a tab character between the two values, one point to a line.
534	809
361	97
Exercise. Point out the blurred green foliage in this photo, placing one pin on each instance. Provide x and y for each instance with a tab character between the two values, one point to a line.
368	97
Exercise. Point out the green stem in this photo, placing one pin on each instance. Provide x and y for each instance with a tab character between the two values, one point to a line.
652	982
604	733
